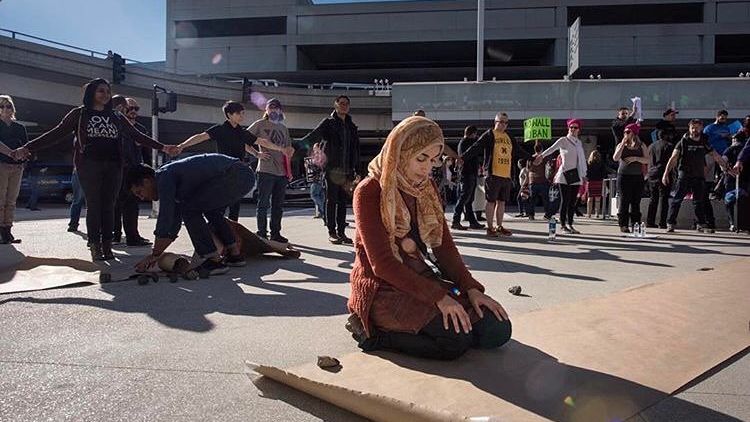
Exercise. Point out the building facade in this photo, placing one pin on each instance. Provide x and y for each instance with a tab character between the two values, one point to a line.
404	41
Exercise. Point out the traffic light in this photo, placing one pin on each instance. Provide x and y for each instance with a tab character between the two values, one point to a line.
118	68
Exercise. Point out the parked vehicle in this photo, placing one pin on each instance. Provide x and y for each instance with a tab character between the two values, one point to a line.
53	181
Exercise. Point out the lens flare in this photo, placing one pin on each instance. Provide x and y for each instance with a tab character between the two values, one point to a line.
216	58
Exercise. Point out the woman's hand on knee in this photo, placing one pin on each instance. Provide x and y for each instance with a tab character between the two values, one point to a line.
453	311
479	299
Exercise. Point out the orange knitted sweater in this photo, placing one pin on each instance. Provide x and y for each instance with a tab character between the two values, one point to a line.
375	265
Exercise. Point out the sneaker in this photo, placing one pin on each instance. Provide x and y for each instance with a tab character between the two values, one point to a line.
234	261
670	228
709	230
662	226
262	235
532	218
279	238
502	231
72	229
624	229
140	241
212	267
732	228
345	240
458	226
566	230
573	230
334	239
520	215
476	226
492	232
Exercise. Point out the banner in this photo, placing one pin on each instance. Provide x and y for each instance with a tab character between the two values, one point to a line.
537	128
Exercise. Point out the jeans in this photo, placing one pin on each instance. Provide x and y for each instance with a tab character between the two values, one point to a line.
209	204
271	192
101	185
538	190
630	189
697	185
78	201
34	186
318	196
336	198
435	342
10	186
466	189
126	214
659	199
568	199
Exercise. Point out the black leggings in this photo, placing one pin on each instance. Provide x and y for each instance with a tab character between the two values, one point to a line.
568	195
630	189
101	185
435	342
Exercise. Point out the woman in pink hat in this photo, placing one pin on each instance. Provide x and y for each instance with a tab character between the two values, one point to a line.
632	154
571	173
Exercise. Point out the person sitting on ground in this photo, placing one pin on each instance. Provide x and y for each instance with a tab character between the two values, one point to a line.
397	302
193	190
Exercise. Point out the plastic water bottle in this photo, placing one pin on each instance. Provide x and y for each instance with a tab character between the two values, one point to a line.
637	230
552	229
643	230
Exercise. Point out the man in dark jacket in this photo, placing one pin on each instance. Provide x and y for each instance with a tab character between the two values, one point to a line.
659	153
666	124
341	147
126	207
624	118
194	190
500	151
467	182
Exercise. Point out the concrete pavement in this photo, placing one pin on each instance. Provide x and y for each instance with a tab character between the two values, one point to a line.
176	351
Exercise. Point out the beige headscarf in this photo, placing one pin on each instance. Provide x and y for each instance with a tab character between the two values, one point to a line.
408	139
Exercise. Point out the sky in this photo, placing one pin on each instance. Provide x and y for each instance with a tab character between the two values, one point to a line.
136	29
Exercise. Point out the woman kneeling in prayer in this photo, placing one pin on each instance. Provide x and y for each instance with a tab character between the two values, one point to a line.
398	302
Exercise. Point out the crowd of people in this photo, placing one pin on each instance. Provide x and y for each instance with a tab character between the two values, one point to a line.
399	301
701	163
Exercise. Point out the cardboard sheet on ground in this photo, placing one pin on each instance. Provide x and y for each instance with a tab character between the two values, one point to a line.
31	273
601	359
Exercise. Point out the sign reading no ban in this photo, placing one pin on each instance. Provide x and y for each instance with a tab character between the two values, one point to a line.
537	128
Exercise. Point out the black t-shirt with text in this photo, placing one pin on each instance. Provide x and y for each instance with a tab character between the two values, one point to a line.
692	156
230	140
103	133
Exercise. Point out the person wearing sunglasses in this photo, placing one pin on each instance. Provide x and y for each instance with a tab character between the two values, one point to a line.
12	136
126	208
500	152
631	154
571	173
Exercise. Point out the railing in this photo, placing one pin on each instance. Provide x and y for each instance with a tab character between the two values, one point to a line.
92	53
379	88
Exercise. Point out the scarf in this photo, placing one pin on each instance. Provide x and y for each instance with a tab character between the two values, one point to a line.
408	139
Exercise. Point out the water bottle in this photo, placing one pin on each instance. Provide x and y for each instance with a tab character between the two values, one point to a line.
643	230
637	230
552	229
